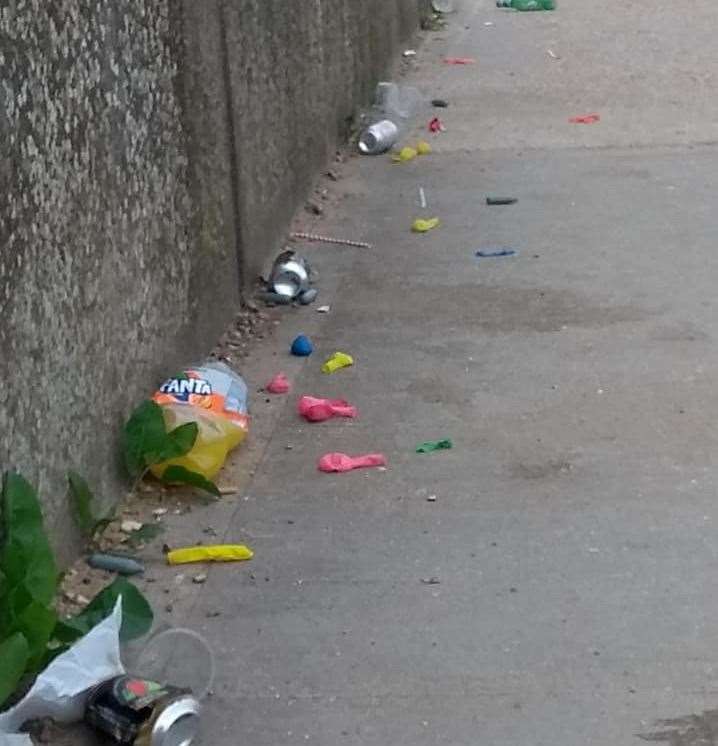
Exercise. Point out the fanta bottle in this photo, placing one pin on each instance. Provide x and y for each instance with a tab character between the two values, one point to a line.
215	397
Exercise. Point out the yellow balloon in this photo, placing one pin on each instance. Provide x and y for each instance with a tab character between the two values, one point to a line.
422	226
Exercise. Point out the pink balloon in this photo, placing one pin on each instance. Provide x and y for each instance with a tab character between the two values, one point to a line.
340	462
318	410
278	385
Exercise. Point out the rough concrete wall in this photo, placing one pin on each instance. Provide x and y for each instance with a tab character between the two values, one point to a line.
149	150
104	257
297	71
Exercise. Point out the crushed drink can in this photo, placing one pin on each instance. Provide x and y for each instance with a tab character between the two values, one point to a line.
140	712
290	275
379	137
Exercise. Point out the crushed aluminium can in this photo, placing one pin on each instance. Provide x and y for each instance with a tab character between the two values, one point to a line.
290	275
139	712
378	138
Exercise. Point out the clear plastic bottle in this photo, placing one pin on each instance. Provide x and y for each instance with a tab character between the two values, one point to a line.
215	397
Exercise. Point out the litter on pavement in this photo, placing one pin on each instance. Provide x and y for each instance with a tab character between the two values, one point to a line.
278	385
290	275
459	60
274	299
341	462
301	346
210	553
337	361
585	119
436	126
133	711
405	154
501	200
527	4
408	153
308	296
378	138
319	410
330	239
120	564
423	225
434	445
61	691
214	397
494	253
439	103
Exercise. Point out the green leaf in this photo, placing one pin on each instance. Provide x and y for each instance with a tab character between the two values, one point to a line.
84	506
179	475
147	441
36	623
182	439
136	613
81	499
144	437
26	557
14	653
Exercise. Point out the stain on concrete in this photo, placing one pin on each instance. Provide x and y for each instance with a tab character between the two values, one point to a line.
691	730
436	389
680	332
542	470
498	309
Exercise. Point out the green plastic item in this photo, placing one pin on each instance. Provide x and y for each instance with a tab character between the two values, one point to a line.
527	4
435	445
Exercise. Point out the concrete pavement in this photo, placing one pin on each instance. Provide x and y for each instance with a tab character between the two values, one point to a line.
574	530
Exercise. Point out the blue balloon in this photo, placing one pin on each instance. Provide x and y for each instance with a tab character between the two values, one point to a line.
302	347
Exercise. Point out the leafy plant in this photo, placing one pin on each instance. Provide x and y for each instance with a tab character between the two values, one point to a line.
178	474
30	633
137	614
14	654
87	515
147	443
29	582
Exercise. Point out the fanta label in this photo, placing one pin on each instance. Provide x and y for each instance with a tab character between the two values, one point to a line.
182	388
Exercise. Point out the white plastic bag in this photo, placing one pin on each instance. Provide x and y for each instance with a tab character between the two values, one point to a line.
61	690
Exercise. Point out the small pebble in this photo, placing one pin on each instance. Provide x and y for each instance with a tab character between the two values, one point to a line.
431	498
199	579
